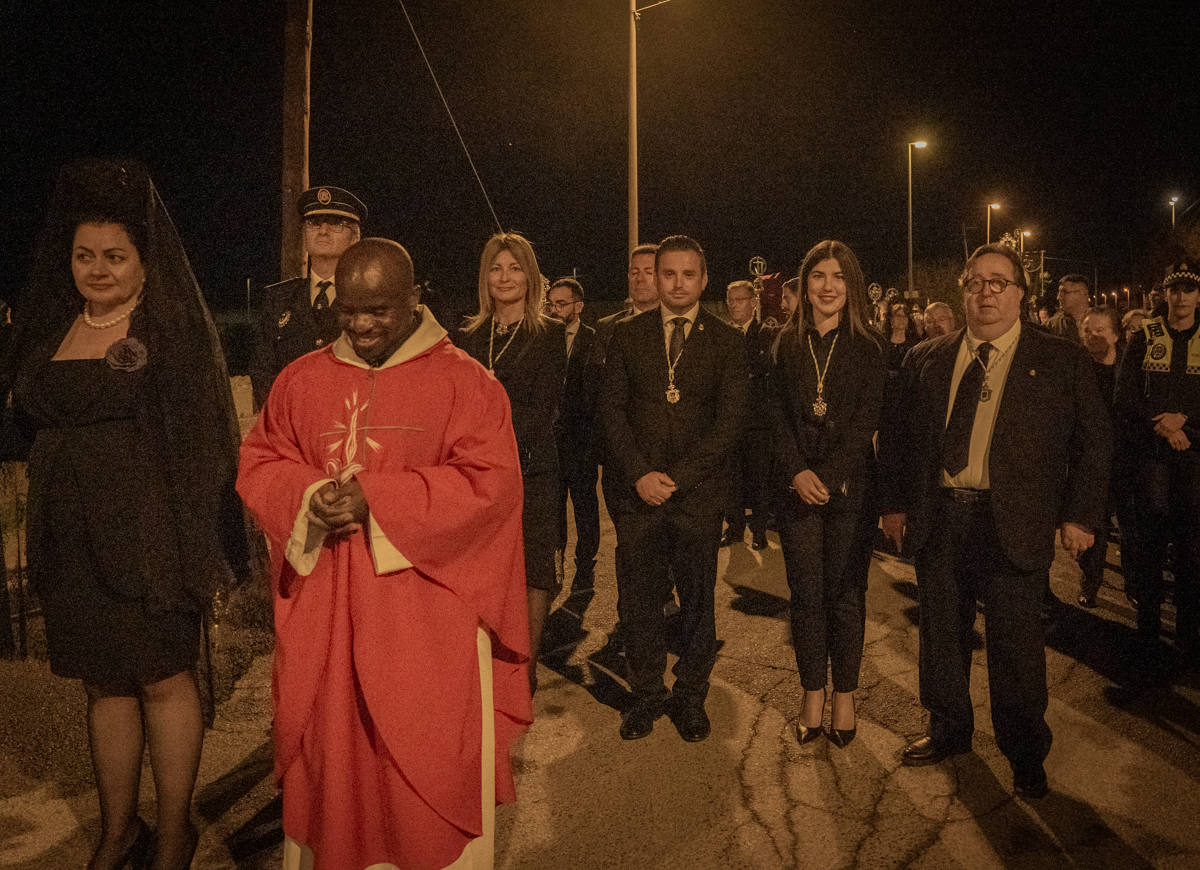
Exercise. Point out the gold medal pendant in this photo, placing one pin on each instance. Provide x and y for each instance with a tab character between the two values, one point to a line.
819	407
672	394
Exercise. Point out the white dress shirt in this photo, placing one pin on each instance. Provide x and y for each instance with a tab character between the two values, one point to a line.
313	280
668	326
975	475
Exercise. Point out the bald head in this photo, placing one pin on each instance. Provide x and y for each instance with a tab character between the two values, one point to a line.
375	265
376	298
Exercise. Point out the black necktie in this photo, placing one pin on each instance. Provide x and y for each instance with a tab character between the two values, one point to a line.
956	446
322	300
676	346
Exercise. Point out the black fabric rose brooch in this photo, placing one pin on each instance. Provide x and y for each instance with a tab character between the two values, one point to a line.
126	355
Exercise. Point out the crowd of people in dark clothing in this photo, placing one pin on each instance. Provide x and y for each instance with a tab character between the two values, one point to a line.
966	442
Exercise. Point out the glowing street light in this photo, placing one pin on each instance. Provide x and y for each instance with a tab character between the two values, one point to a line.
1174	200
920	143
993	206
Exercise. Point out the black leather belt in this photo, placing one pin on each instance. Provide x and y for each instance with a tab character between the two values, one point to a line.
965	496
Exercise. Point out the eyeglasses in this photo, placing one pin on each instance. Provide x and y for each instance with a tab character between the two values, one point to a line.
335	223
995	286
561	305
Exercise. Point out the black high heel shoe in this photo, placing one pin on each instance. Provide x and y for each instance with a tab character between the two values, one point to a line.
841	737
805	734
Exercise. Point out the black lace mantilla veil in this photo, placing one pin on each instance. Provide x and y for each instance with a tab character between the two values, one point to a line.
191	405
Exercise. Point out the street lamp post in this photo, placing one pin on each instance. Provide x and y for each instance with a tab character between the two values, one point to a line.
633	153
991	207
1174	200
920	143
634	14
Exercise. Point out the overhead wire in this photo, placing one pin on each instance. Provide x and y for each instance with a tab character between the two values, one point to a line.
450	114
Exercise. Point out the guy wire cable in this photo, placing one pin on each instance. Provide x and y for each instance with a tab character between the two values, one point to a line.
453	123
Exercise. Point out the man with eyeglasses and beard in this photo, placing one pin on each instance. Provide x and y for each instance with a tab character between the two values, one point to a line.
297	315
1001	438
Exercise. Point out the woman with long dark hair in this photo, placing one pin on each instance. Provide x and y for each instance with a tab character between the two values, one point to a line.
527	352
827	392
133	522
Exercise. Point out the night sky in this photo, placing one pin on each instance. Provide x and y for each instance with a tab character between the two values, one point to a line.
764	126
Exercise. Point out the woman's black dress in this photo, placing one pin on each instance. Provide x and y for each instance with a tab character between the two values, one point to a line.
531	367
102	548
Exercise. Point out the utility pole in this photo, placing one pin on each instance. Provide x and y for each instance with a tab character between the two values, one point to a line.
633	124
297	67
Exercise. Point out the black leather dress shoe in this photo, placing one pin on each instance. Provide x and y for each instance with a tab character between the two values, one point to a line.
639	721
927	750
691	722
1030	783
760	541
732	537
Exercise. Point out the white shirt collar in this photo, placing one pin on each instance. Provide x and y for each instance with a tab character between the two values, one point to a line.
690	314
1001	344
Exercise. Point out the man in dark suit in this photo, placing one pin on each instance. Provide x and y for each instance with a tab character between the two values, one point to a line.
1000	438
672	405
577	433
296	316
748	485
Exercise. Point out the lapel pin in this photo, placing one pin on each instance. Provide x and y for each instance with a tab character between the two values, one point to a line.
700	327
1033	373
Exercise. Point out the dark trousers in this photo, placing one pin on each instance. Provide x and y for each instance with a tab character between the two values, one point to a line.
827	556
1091	561
579	483
748	485
1167	500
961	563
656	547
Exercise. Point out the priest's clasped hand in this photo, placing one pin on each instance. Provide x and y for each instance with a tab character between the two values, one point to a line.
341	510
655	488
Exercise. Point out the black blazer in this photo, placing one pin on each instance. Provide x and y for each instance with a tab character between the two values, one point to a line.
758	340
689	441
1051	447
532	371
837	448
287	330
577	410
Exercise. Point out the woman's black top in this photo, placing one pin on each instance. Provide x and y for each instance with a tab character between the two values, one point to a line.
838	445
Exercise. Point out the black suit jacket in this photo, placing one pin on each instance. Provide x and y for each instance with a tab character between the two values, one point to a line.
287	330
689	441
577	410
1050	453
758	340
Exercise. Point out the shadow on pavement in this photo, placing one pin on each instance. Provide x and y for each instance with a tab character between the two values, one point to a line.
1076	832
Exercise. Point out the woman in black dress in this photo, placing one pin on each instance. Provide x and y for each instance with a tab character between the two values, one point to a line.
826	395
527	352
133	522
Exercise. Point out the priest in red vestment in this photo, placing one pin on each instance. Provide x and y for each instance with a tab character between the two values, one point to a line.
384	470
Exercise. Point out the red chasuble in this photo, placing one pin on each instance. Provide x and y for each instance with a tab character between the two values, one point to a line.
376	678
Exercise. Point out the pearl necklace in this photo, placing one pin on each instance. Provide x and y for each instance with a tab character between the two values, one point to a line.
105	324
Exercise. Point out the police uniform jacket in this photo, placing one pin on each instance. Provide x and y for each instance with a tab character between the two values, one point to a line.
288	328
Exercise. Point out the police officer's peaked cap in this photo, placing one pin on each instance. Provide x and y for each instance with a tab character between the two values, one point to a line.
331	200
1183	272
